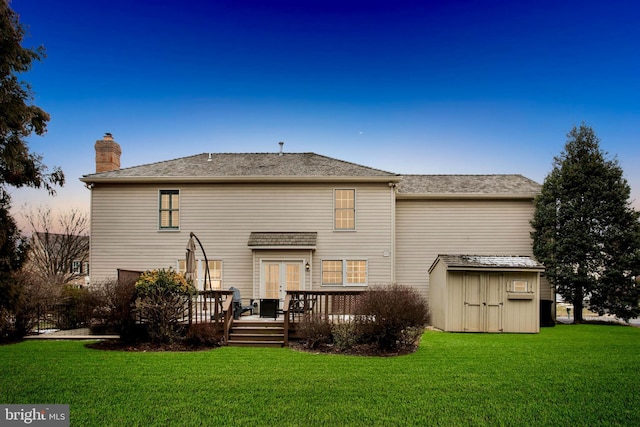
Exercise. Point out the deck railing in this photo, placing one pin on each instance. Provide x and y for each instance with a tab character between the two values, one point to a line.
212	306
328	305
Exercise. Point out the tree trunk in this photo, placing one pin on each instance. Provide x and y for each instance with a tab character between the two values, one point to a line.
577	304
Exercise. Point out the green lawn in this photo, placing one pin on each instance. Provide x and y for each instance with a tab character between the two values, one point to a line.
568	375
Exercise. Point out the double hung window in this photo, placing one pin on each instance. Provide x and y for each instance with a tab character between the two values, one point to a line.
169	212
344	209
344	272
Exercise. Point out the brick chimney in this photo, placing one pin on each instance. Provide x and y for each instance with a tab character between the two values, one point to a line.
107	154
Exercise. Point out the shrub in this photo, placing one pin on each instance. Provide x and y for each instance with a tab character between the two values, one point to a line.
391	316
161	299
314	331
77	306
116	309
18	307
203	334
345	335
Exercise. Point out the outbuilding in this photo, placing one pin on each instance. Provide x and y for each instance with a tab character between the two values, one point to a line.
481	293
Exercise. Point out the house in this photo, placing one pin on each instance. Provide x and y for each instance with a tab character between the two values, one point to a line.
272	222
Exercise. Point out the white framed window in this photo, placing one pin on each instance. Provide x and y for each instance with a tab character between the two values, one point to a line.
76	267
85	268
344	209
344	272
215	273
169	210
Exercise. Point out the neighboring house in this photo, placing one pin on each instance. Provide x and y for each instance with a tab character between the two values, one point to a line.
276	221
59	258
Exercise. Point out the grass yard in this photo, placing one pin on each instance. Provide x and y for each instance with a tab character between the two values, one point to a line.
569	375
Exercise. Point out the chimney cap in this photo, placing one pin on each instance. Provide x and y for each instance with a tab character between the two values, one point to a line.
108	135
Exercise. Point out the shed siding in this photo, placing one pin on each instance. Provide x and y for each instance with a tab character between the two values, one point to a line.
426	228
522	315
125	232
490	309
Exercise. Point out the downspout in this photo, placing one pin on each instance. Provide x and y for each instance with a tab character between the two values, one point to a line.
392	188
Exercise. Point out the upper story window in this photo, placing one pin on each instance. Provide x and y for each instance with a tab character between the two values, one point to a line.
344	209
169	216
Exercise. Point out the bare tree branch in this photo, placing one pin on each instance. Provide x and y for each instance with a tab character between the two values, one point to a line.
58	241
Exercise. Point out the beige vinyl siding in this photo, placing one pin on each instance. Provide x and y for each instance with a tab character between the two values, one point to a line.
125	226
426	228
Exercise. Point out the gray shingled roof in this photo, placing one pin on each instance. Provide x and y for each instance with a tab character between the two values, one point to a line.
288	239
466	184
490	261
244	165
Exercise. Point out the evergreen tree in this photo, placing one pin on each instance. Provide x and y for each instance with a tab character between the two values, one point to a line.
19	167
585	231
18	120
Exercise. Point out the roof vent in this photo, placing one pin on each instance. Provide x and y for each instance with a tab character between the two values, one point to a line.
209	159
281	146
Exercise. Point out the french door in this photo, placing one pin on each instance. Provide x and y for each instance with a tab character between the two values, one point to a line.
280	276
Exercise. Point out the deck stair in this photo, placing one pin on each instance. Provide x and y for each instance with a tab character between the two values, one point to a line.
257	333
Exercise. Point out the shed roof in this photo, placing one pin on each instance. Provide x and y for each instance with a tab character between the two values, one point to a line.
433	186
267	239
502	262
243	166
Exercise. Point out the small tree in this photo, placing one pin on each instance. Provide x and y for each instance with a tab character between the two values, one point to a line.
161	299
585	231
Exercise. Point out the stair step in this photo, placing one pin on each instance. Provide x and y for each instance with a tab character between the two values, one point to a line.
233	343
256	331
258	324
256	337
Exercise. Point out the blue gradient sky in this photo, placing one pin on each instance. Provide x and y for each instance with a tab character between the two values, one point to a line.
428	87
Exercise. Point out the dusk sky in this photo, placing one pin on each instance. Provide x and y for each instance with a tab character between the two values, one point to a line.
431	87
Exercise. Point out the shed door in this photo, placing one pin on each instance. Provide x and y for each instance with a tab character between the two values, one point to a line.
493	303
472	303
483	302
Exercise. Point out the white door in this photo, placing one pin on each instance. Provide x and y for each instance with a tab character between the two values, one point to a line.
280	276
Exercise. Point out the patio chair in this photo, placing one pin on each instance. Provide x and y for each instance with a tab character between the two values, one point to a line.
238	308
